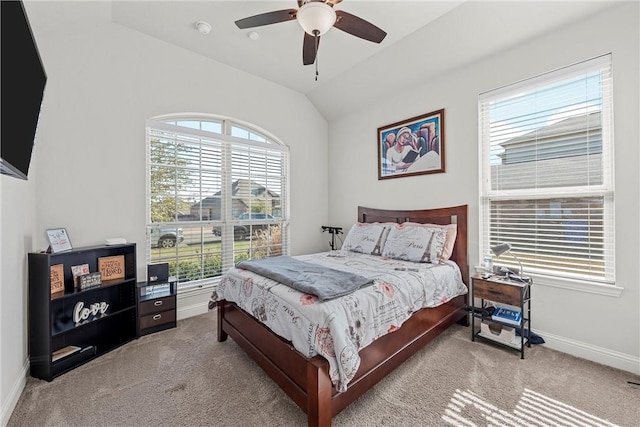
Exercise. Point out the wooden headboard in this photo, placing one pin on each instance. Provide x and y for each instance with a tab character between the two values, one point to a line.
453	215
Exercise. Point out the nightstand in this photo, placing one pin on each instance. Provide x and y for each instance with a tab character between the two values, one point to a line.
501	290
156	306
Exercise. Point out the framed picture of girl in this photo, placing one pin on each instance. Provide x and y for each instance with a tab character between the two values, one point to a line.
411	147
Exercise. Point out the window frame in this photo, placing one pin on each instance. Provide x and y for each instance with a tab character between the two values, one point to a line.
605	285
266	143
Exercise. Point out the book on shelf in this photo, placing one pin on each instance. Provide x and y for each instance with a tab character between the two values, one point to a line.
507	315
64	352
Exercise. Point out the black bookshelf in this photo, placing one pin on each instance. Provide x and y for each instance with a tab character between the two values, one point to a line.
55	320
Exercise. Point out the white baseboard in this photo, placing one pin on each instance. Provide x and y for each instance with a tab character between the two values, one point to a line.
625	362
14	395
193	302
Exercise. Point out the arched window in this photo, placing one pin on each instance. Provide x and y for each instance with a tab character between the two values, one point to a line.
217	193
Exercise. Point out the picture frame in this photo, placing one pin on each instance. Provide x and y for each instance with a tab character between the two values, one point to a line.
57	278
79	270
410	147
58	240
111	267
89	280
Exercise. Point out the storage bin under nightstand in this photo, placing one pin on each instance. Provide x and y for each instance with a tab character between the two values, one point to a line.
156	306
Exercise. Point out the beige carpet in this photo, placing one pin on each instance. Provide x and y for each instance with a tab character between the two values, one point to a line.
184	377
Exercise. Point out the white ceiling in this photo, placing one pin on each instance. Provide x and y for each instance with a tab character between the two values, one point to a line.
425	38
277	54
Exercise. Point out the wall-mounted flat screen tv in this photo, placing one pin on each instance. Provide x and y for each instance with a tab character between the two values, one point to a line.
23	79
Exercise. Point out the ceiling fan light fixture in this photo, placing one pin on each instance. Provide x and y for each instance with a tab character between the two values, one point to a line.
316	18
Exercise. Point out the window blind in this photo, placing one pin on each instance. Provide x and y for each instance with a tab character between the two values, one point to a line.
547	171
221	189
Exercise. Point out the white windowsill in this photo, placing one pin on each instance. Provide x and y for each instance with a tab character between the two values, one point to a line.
578	285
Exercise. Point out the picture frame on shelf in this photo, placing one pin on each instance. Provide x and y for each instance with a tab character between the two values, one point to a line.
79	270
412	147
89	280
57	278
111	267
58	240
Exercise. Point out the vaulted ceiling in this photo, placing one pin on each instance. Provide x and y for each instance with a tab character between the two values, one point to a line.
424	39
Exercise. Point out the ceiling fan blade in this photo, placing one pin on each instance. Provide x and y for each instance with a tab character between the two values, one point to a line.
333	2
267	18
309	49
358	27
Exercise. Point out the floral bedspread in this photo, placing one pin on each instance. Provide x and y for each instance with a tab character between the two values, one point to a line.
338	329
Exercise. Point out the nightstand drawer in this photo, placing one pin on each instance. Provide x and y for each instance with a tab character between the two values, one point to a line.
157	319
498	292
156	305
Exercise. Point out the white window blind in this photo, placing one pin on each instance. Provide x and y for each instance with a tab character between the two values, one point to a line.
217	194
547	172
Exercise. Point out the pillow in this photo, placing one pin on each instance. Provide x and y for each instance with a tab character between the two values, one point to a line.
452	232
415	243
366	238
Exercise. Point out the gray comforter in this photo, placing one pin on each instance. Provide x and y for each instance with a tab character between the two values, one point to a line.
315	279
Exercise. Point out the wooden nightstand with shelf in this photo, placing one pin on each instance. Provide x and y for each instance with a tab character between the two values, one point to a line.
502	291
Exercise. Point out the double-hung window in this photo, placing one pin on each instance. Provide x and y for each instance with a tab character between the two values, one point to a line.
547	172
217	194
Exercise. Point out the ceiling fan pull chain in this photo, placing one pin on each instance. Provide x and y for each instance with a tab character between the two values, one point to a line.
315	33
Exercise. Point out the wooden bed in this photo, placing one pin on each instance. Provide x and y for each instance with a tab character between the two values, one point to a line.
306	380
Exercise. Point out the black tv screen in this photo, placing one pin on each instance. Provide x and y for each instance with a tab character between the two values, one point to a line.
23	79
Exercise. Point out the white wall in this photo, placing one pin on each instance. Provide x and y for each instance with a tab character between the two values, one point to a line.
602	328
18	207
104	81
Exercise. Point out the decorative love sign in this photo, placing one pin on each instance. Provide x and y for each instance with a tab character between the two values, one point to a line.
82	314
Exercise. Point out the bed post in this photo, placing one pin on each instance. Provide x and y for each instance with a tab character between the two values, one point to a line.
319	410
222	335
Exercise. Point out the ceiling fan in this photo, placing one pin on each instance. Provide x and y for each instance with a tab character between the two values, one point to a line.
316	17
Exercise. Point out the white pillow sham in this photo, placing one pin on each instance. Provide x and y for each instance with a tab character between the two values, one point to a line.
366	238
416	243
452	232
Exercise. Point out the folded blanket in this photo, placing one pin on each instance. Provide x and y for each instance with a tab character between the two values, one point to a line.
324	282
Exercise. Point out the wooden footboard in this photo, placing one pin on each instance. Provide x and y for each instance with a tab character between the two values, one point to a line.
306	380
